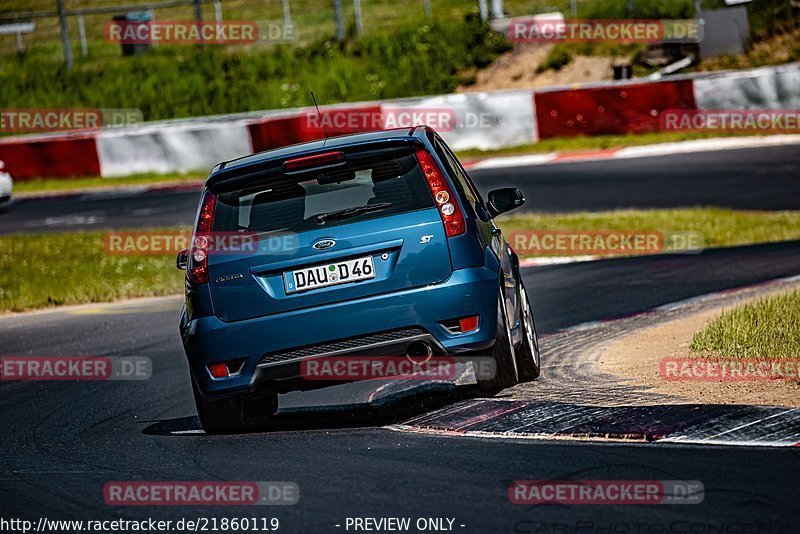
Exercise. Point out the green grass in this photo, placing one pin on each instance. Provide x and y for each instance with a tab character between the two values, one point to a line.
562	54
312	19
559	57
774	50
173	82
42	185
718	227
766	329
401	54
40	271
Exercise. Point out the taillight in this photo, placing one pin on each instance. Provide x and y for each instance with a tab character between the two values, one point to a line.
201	240
227	369
315	160
468	324
219	370
463	325
446	203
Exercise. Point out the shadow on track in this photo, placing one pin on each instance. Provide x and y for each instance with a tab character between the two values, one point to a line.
314	418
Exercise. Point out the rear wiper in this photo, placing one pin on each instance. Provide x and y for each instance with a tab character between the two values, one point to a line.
352	212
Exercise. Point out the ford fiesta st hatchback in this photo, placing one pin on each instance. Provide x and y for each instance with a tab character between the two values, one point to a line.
371	244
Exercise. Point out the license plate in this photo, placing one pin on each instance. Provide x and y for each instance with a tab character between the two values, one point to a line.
329	274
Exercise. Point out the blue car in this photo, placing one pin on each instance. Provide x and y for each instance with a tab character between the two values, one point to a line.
372	244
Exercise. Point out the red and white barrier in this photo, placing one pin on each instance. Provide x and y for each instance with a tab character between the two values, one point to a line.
162	149
617	109
762	88
73	154
481	121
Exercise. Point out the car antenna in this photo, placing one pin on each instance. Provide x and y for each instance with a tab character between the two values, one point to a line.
324	129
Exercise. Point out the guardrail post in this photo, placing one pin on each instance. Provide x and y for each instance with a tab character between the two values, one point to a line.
357	14
338	15
218	11
82	33
198	10
62	24
288	26
198	17
483	9
497	9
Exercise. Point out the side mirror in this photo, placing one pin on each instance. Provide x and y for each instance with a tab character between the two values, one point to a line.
182	261
505	199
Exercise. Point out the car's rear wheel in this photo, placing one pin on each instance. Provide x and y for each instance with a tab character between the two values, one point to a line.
528	360
234	414
502	352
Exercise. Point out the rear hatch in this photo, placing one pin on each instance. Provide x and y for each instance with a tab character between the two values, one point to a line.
323	229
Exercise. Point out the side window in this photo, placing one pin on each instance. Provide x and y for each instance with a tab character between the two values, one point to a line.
463	183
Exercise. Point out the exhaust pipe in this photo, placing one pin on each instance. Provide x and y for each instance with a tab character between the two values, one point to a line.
419	352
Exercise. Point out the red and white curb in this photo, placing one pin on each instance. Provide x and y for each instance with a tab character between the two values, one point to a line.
679	423
688	424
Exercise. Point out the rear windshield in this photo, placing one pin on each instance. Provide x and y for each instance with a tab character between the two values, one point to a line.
295	203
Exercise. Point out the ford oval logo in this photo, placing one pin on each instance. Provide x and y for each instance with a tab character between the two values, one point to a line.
323	244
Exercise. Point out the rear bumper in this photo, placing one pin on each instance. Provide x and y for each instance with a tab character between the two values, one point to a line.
262	342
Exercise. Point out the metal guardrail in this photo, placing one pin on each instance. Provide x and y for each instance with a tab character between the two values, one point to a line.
18	28
100	10
62	13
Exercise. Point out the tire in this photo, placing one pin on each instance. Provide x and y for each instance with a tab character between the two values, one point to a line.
502	352
234	414
528	356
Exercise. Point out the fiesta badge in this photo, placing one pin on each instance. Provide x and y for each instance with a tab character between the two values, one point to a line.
323	244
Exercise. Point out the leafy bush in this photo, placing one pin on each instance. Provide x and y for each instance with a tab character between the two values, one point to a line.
558	57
